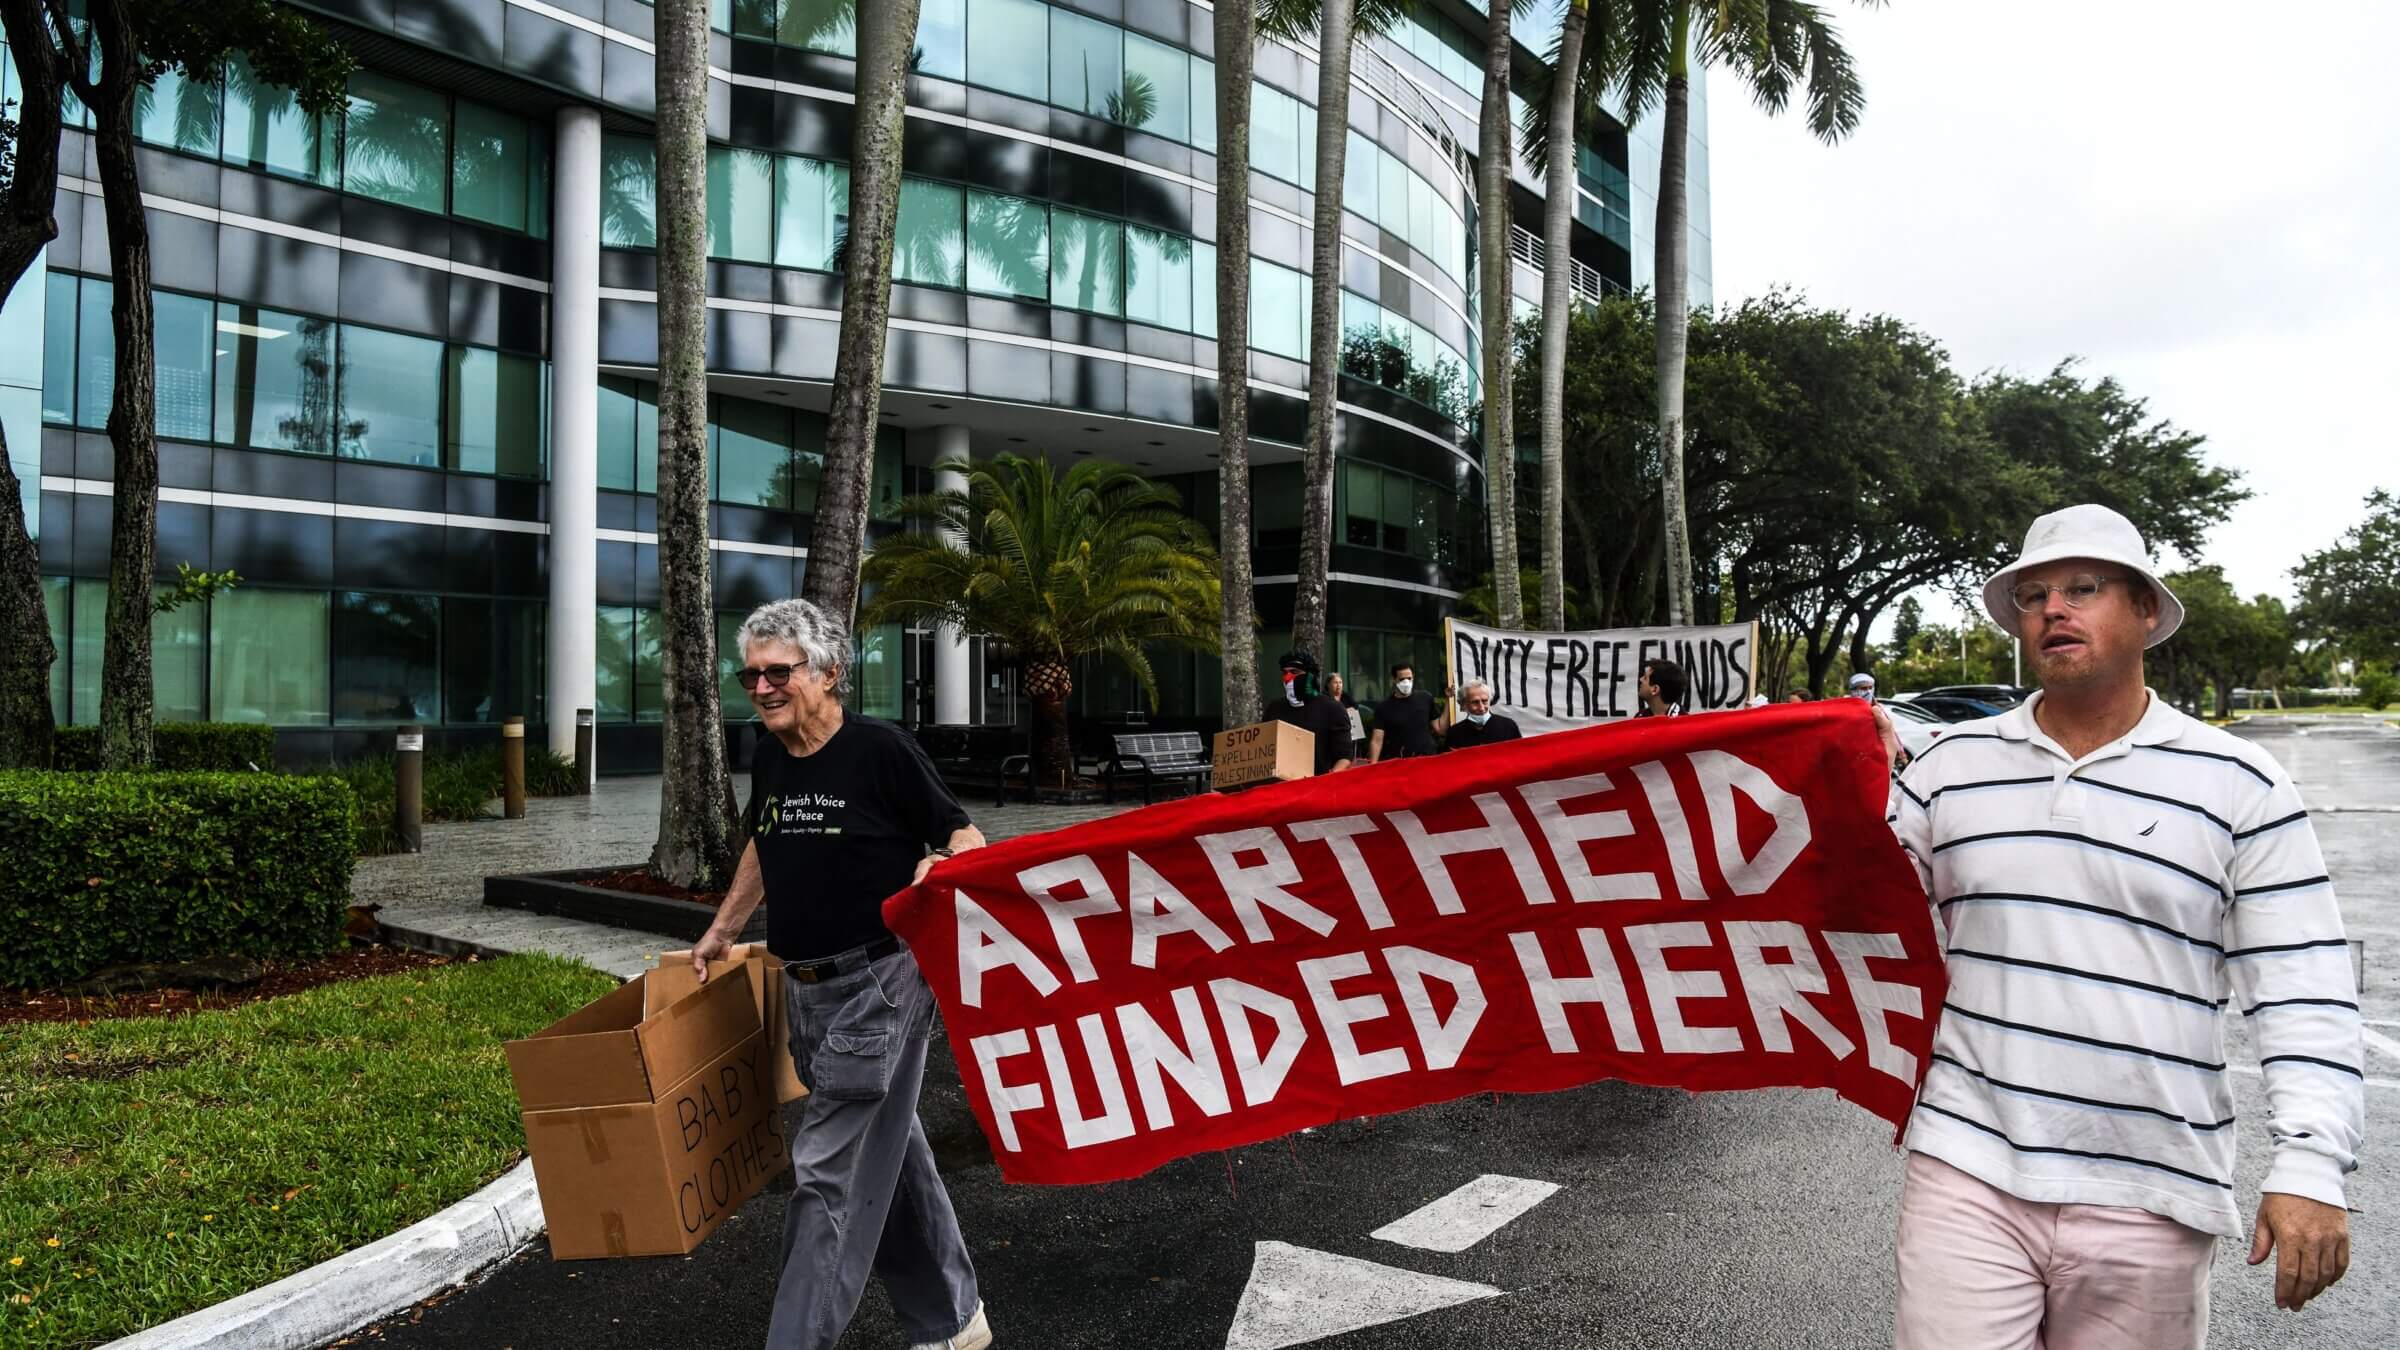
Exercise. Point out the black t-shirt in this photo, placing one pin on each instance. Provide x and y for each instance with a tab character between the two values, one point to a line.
840	831
1323	718
1465	735
1406	724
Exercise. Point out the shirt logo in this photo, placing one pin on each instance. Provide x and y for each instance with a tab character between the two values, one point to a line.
2152	826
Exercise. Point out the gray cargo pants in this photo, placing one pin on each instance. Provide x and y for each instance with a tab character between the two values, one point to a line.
864	1191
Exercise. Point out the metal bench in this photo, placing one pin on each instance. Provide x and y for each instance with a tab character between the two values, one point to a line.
1154	757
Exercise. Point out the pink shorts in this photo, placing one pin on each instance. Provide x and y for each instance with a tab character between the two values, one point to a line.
1982	1270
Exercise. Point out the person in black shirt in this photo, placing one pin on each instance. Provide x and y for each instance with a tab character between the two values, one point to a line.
1334	686
1403	722
844	812
1480	725
1313	711
1661	689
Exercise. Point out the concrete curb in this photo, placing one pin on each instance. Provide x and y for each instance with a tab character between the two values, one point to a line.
336	1297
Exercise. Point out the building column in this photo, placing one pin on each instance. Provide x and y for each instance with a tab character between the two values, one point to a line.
574	420
953	672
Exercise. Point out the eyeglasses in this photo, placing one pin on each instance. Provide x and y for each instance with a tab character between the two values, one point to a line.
2079	589
778	676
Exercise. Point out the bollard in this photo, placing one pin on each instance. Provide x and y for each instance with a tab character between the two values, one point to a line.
408	789
512	768
584	767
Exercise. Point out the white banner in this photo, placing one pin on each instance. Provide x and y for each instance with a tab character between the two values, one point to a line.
1553	681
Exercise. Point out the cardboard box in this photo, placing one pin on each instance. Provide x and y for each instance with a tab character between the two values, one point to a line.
1269	752
673	979
647	1131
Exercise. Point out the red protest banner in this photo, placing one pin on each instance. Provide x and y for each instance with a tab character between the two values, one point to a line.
1709	902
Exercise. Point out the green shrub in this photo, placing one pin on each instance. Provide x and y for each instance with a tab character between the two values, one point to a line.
200	747
2377	688
97	869
459	784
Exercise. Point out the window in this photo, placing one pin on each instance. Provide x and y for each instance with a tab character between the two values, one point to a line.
274	380
495	413
396	142
1204	289
1399	514
628	435
390	396
1361	498
1086	266
929	248
58	597
755	18
1002	38
58	350
628	193
612	664
1275	133
649	666
730	695
1204	105
812	212
179	113
1275	493
741	204
493	658
266	128
1278	310
1008	246
1158	88
185	350
878	678
942	39
820	26
492	170
1087	67
267	657
808	459
95	354
753	453
1158	278
1360	164
385	658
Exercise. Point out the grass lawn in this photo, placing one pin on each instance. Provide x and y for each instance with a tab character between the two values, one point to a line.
2339	708
154	1166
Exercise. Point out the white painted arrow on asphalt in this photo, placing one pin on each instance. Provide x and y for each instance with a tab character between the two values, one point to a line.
1296	1295
1467	1215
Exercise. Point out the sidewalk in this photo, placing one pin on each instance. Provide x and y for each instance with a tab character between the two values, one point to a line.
436	897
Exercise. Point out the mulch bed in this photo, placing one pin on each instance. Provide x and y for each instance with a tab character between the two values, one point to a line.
640	882
283	977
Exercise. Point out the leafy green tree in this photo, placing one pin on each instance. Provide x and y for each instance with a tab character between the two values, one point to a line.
1908	622
2350	590
2225	641
1099	562
2377	688
1771	46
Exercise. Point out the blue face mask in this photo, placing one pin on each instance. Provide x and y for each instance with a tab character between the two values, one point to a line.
1479	718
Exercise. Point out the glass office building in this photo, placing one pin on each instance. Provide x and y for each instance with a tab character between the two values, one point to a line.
406	351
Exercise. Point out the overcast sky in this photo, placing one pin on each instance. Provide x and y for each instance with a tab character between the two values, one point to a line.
2200	198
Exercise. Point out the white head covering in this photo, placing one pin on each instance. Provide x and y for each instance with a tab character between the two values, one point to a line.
2086	531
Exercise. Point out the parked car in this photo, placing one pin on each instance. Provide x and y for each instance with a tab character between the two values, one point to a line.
1918	728
2001	696
1955	707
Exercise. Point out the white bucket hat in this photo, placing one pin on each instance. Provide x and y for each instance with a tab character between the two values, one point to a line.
2086	531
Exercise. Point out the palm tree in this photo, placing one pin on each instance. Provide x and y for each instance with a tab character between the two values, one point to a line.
887	34
1236	29
696	830
1336	24
1492	217
1771	45
1100	562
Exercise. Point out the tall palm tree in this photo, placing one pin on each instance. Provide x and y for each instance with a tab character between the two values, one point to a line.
1336	25
1772	45
1100	562
1236	28
887	34
1492	217
696	829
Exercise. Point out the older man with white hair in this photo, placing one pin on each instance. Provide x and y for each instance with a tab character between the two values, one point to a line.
1477	723
2111	875
844	812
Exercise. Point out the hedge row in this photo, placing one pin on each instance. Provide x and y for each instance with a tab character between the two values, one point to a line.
100	869
228	747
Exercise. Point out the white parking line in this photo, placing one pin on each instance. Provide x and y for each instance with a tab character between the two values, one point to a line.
2381	1042
2379	1022
1467	1215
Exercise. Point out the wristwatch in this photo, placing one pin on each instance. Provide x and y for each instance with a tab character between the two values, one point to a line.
944	852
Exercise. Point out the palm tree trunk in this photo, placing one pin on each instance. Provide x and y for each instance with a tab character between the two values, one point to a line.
696	828
886	35
1493	157
1558	269
1235	60
125	695
1334	27
28	222
1671	276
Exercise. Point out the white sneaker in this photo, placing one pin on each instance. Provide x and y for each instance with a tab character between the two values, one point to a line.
976	1335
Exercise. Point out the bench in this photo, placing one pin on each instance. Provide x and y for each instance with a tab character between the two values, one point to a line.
978	757
1154	757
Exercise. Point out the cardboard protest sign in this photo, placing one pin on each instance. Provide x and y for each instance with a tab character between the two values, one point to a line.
1708	902
1553	681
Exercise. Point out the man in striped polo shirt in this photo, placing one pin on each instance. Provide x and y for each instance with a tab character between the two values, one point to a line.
2110	875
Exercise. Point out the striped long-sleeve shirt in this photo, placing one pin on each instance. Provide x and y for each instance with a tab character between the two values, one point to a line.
2099	915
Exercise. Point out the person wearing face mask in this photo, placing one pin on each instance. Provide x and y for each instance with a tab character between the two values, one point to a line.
1862	686
1403	722
1477	723
1314	711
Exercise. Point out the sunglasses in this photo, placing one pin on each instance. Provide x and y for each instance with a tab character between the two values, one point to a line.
777	676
